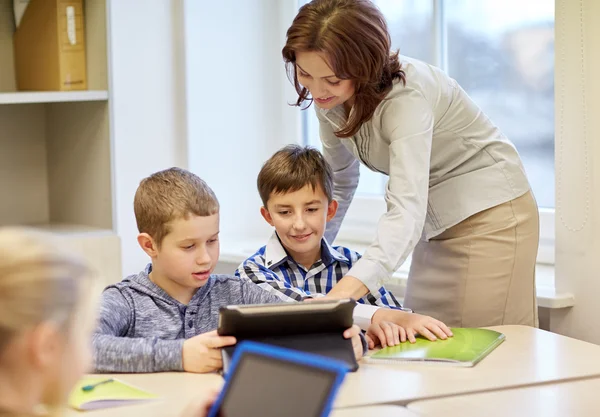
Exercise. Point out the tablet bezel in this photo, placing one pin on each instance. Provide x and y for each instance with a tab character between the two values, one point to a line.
259	320
310	360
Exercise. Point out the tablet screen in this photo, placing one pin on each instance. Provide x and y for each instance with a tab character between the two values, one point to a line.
268	387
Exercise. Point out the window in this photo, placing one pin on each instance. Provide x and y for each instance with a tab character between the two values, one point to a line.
502	54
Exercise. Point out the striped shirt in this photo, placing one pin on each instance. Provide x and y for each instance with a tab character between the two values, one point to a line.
275	271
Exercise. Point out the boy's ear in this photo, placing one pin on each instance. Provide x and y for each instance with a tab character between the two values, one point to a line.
147	244
266	215
332	209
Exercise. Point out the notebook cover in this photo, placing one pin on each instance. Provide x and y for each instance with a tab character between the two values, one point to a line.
107	395
466	348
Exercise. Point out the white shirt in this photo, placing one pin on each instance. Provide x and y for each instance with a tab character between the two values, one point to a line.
445	160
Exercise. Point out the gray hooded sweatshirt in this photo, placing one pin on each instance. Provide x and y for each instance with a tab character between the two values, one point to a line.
142	329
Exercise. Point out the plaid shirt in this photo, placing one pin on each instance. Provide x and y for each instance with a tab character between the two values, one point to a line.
274	270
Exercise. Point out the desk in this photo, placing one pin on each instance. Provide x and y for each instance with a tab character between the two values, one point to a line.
578	398
528	356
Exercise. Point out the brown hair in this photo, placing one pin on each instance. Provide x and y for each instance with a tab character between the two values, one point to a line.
291	169
168	195
354	36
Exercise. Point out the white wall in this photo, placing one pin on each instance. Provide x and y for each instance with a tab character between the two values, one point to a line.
197	86
577	152
237	111
147	105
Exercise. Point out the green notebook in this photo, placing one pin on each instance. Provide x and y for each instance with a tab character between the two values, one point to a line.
111	393
466	348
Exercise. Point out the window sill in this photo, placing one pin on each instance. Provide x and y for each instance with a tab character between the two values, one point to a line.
236	251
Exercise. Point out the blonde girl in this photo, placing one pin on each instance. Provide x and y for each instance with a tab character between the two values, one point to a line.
47	316
46	320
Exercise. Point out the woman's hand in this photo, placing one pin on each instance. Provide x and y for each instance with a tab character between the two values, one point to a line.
413	324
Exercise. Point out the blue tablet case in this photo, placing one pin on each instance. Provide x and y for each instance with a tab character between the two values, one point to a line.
320	368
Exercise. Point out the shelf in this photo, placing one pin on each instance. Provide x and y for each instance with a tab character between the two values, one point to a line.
52	96
100	247
72	230
56	151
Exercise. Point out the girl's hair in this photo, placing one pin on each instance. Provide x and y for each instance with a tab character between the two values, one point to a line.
39	282
353	35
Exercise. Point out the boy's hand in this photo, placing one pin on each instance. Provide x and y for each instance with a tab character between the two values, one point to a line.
202	353
385	333
414	324
354	334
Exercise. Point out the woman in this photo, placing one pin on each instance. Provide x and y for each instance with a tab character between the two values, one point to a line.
457	196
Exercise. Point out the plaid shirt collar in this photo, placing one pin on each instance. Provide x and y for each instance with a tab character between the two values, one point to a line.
275	253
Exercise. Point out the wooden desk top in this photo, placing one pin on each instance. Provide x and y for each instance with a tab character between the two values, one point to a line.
373	411
578	398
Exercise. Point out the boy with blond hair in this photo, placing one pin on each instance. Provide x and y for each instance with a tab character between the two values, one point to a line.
296	188
164	318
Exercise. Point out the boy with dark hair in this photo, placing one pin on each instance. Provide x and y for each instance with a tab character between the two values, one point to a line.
296	188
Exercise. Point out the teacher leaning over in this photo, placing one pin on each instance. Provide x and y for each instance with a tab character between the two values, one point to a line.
457	196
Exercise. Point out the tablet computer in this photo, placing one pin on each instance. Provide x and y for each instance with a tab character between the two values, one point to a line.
270	381
314	327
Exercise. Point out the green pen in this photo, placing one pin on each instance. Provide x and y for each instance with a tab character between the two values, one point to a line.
88	388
